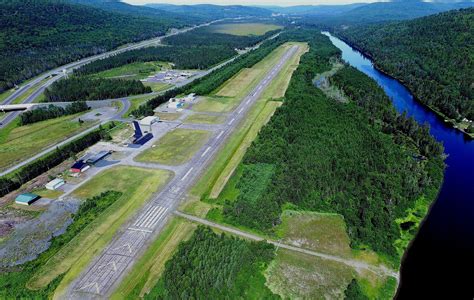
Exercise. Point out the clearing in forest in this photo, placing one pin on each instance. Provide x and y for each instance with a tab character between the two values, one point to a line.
244	29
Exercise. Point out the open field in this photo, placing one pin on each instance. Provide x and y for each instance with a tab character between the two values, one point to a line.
136	70
168	116
176	147
45	193
157	86
244	28
204	119
147	271
20	142
135	102
216	104
137	186
299	276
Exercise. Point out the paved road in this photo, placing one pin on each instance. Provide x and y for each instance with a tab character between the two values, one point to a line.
99	278
58	72
125	107
357	264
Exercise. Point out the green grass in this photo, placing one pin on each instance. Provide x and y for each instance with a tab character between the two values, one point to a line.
137	70
244	29
204	119
45	193
135	102
176	147
5	94
30	91
137	186
20	142
148	269
295	275
216	104
157	86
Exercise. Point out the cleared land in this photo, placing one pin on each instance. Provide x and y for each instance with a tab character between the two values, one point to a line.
137	70
135	102
157	86
20	142
168	116
176	147
204	119
243	29
137	186
147	271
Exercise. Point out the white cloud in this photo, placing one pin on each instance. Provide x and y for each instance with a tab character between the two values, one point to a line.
251	2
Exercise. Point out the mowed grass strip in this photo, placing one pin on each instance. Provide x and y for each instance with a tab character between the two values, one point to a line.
147	270
137	186
136	70
227	97
204	119
17	143
244	29
176	147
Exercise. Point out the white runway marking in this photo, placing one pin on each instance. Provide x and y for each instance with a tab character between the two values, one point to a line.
141	230
207	150
220	134
187	173
240	110
231	121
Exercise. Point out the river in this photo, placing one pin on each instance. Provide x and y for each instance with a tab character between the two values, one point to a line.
440	260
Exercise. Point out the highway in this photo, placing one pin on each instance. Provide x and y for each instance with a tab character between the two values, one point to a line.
58	73
100	277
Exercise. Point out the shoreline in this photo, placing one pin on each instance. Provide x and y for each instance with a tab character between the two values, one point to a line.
446	120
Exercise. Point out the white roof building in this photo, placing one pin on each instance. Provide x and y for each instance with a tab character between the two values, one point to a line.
55	184
148	121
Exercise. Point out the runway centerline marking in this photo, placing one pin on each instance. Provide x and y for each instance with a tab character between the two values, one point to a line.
187	173
207	150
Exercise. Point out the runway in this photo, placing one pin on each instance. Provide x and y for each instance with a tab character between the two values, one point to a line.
101	276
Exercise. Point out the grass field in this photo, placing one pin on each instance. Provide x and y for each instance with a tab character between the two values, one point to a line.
137	186
5	94
137	70
168	116
204	119
45	193
157	86
299	276
244	28
148	269
30	91
135	102
20	142
176	147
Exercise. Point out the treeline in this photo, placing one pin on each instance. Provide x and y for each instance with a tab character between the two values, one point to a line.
183	57
51	112
84	88
431	55
53	33
327	156
366	93
211	266
215	79
13	282
13	181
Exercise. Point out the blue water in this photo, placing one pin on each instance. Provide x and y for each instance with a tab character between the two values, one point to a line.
440	260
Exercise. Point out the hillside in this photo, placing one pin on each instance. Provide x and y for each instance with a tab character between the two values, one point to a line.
213	11
52	33
431	55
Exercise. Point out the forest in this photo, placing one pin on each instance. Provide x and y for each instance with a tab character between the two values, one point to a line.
13	181
13	280
53	32
51	112
322	155
83	88
432	56
212	266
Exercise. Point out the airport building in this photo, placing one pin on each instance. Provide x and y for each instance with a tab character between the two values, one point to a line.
148	121
26	198
55	184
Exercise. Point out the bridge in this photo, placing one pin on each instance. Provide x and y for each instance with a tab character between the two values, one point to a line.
29	106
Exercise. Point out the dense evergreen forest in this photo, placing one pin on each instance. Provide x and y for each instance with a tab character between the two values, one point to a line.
431	55
211	266
83	88
13	280
51	112
55	32
350	158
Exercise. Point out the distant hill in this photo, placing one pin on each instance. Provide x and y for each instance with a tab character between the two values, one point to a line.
214	11
38	35
432	55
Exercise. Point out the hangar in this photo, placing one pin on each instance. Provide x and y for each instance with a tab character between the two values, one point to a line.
26	198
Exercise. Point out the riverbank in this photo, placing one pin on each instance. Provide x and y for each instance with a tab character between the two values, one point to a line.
460	126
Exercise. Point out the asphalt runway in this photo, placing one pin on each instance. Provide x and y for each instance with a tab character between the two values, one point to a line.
106	270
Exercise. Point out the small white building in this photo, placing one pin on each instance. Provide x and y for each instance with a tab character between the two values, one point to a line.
175	105
190	98
148	121
55	184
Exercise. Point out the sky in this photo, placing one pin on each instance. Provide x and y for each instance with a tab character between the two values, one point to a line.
251	2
